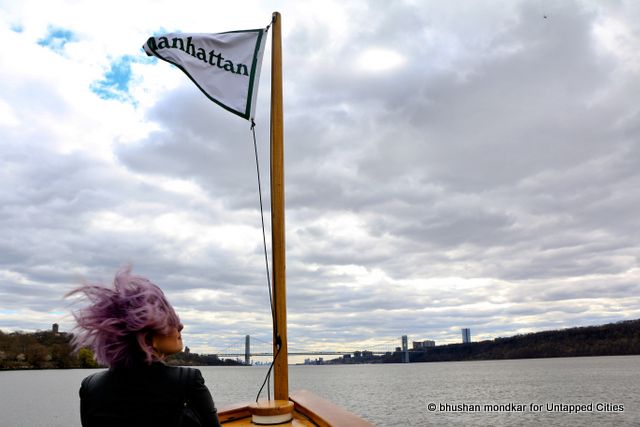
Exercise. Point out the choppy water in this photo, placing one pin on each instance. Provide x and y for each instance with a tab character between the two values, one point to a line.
488	393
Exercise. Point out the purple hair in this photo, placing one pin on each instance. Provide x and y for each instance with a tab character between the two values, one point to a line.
118	323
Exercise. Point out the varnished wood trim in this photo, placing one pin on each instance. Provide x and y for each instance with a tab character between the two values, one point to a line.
234	412
271	407
325	413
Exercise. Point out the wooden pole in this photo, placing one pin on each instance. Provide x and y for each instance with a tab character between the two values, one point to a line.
280	367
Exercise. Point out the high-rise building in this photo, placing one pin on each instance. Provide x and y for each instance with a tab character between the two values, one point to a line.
466	335
405	349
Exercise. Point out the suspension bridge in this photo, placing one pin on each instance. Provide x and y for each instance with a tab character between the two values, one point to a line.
249	347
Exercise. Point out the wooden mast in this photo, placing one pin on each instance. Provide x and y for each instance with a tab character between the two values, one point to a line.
310	409
280	367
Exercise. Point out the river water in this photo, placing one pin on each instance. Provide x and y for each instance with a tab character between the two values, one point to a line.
594	391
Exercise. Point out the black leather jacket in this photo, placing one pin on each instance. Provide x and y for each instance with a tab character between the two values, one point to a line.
150	395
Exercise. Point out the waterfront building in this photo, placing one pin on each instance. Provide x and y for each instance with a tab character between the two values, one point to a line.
466	335
421	345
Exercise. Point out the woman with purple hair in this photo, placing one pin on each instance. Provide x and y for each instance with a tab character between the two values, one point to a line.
131	328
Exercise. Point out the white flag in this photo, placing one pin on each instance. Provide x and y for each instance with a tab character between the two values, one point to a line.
225	66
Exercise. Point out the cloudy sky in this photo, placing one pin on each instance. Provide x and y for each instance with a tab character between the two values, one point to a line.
448	164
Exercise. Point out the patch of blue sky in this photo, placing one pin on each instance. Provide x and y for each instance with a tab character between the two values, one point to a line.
115	84
57	38
17	28
162	31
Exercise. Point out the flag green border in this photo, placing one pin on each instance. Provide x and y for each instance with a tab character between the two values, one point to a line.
254	68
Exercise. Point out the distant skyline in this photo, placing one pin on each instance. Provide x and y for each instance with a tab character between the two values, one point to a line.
448	165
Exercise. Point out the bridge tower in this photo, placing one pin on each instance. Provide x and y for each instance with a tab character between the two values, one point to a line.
405	349
247	350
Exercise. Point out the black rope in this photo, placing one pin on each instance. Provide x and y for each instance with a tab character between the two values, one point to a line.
267	378
266	262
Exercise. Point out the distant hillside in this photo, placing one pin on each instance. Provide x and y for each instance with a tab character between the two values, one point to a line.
195	359
52	350
41	350
622	338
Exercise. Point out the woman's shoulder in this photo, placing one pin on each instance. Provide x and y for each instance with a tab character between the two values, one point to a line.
181	369
182	373
95	382
94	378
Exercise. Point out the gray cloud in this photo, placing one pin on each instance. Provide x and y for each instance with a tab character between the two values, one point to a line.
489	181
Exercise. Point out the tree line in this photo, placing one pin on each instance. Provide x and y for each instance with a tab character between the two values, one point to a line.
39	350
53	350
613	339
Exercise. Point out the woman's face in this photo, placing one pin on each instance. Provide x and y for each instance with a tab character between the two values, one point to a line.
168	344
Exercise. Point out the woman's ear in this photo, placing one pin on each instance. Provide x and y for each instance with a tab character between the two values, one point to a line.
150	339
